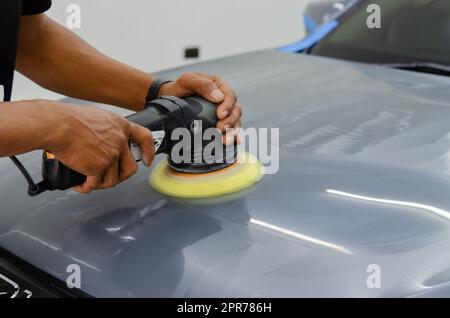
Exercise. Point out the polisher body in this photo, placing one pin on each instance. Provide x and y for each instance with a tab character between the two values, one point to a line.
163	115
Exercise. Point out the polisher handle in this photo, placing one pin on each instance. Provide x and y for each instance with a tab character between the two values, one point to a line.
57	176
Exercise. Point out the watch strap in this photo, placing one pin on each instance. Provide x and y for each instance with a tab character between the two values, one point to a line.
154	89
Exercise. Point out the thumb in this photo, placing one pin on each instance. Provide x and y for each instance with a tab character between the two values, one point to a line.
143	137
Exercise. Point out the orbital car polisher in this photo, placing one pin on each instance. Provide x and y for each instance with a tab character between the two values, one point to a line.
195	177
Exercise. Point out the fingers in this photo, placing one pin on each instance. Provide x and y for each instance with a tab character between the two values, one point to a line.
108	179
201	84
111	176
143	137
226	107
127	164
232	121
229	112
90	184
213	89
123	165
231	135
231	125
119	170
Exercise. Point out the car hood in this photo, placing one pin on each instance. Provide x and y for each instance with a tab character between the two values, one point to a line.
360	205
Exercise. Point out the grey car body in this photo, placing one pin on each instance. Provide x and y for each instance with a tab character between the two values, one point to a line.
362	189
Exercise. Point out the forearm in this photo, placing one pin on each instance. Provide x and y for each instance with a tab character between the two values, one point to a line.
27	126
59	60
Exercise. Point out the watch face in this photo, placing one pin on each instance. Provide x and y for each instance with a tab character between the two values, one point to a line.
8	288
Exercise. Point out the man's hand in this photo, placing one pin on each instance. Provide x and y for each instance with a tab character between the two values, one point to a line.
213	89
95	143
45	47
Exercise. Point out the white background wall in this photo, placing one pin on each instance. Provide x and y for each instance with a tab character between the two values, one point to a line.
152	34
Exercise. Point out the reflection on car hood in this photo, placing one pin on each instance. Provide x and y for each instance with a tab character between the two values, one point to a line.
364	179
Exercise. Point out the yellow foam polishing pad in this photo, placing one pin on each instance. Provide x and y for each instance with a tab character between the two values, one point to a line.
242	174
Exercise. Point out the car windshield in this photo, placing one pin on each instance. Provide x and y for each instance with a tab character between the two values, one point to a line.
411	31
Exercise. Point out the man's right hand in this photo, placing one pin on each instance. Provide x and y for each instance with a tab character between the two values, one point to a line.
95	143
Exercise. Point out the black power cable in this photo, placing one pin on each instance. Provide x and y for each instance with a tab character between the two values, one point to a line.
9	30
32	186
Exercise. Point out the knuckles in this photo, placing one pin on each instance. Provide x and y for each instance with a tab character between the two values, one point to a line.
129	171
102	164
186	77
110	184
114	156
133	169
239	110
233	95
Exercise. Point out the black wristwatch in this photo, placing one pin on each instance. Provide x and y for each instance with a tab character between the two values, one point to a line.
153	90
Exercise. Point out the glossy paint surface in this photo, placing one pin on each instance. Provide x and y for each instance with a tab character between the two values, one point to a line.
364	179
